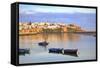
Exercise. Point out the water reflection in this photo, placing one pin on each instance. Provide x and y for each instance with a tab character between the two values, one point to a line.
84	44
51	37
55	40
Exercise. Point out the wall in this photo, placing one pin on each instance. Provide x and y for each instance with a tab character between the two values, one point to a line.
5	33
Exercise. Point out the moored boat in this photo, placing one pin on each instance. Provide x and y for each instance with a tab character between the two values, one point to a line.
55	50
43	43
71	52
24	51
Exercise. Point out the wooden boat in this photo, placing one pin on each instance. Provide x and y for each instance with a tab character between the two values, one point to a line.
24	51
43	43
71	52
55	50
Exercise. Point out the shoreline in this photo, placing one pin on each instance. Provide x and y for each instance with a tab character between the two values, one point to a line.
85	33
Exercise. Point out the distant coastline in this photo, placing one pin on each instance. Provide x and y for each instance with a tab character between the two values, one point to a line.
84	33
45	27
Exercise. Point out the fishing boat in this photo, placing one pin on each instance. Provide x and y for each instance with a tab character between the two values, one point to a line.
71	52
44	43
24	51
55	50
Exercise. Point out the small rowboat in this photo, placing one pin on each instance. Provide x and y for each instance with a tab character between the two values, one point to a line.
24	51
43	43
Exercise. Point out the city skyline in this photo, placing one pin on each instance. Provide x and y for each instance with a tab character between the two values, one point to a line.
84	17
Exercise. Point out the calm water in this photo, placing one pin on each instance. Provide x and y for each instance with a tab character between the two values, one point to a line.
85	44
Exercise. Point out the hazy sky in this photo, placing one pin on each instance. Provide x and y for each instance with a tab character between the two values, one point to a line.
84	17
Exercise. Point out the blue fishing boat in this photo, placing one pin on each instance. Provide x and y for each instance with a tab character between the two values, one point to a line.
55	50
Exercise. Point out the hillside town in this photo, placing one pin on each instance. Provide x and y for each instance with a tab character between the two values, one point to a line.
41	27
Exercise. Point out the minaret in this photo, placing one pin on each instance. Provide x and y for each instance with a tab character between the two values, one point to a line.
30	23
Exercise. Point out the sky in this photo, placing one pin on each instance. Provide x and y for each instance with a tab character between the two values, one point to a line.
84	17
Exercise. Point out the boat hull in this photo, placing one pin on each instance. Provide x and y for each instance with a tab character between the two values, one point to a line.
71	52
43	43
24	51
55	50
